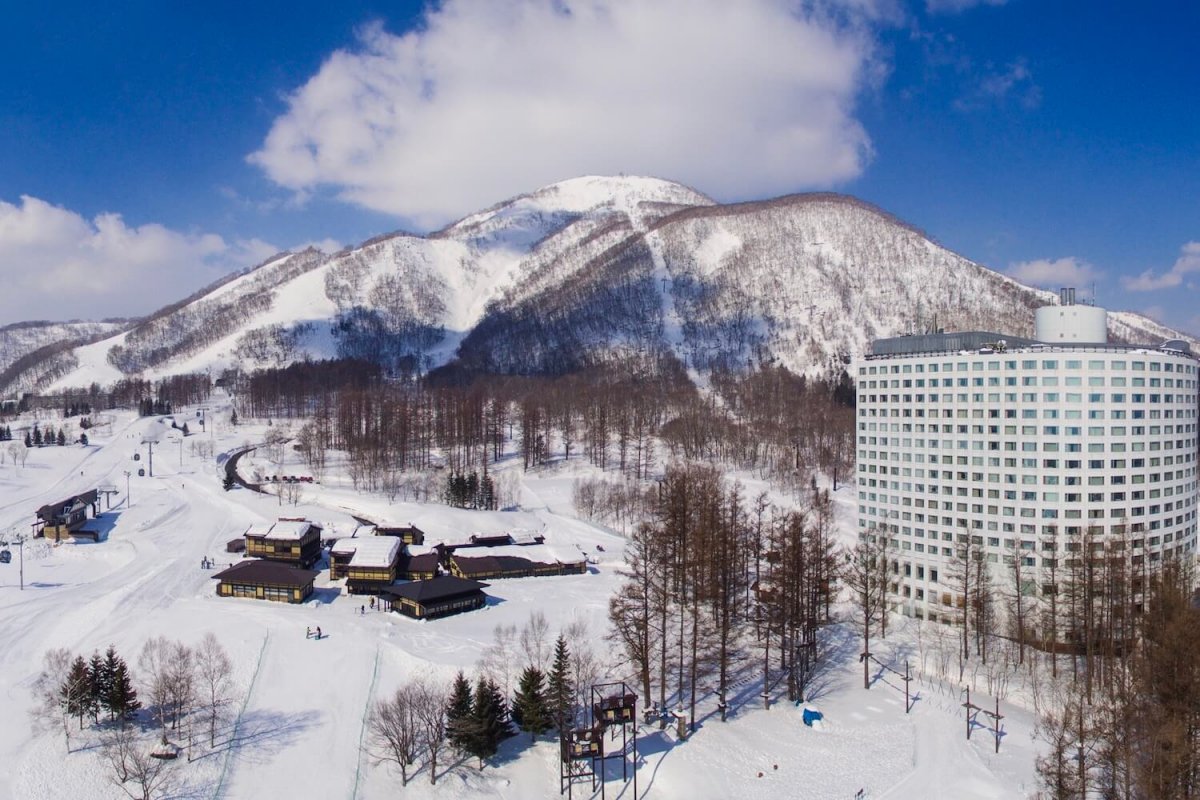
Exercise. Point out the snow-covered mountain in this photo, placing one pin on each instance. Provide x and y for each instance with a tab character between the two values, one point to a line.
575	273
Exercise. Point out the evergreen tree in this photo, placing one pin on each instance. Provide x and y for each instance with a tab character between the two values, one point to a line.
530	710
559	691
458	714
121	700
83	440
487	493
99	679
37	436
185	429
75	693
471	491
28	439
489	717
62	438
233	418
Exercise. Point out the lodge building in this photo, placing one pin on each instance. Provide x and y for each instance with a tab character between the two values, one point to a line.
437	597
266	580
288	540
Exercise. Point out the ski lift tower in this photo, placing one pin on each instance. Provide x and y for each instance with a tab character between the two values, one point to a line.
150	439
614	705
108	490
579	751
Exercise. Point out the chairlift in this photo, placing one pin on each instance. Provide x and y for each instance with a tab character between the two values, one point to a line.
5	557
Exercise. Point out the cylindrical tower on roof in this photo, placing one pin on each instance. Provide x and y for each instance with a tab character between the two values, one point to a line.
1071	324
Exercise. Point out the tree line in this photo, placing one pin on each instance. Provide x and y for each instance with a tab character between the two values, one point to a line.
716	585
424	724
177	691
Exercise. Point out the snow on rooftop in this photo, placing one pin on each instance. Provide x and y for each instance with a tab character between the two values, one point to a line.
375	551
345	546
259	529
541	553
281	529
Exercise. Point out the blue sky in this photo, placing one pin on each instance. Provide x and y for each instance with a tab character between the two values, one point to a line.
146	151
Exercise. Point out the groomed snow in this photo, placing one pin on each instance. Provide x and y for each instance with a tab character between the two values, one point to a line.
300	707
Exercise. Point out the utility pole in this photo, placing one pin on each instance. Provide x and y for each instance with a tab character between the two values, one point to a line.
128	502
150	463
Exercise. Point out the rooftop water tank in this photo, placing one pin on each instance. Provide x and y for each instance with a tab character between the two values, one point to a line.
1070	325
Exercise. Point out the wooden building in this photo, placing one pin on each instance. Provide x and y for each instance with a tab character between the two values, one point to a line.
67	517
266	580
418	565
409	534
288	540
514	561
369	563
437	597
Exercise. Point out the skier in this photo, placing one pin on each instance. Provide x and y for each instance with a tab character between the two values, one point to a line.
308	632
318	632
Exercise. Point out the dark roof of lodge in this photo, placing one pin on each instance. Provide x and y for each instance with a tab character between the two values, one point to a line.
435	589
485	564
51	510
423	562
267	572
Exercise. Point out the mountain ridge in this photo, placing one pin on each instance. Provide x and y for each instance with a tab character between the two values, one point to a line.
578	273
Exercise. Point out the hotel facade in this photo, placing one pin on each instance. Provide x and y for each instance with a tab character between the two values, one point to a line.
1023	448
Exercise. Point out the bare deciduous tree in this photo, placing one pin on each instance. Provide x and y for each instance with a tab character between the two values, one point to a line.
213	667
48	711
154	666
535	642
395	730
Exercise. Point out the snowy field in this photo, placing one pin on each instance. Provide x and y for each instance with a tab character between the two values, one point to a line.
301	703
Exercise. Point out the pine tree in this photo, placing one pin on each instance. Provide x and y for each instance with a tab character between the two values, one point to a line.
99	679
559	690
471	493
233	418
489	716
121	700
75	693
458	714
28	439
185	430
62	438
37	436
487	493
530	710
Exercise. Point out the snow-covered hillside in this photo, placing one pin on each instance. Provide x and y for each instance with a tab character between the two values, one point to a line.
32	353
572	273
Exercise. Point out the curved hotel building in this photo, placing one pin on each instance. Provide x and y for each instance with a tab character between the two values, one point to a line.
1023	446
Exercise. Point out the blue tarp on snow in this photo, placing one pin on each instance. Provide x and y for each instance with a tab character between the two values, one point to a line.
811	714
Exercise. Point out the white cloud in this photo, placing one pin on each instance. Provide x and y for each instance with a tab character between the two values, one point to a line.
996	87
957	6
1054	273
1187	263
58	265
488	98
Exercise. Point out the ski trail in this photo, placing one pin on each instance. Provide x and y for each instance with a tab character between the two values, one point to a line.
672	321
